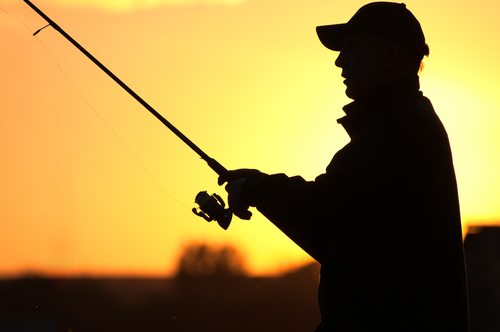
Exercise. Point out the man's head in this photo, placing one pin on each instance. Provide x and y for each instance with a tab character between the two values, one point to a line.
382	42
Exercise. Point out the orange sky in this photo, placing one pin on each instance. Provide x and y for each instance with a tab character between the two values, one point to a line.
106	189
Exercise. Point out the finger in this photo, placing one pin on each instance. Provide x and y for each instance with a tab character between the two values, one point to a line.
227	177
223	178
236	174
243	214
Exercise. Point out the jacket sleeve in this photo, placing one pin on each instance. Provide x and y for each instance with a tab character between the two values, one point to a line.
301	209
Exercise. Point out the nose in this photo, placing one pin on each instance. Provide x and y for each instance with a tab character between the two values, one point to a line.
340	61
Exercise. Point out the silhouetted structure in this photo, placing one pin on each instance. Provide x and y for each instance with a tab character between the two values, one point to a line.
482	249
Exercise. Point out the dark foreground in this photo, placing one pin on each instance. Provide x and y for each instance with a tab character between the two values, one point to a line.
219	302
229	303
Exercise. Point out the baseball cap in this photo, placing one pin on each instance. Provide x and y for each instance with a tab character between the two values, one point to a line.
389	20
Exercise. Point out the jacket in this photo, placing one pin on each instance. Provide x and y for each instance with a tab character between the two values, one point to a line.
383	220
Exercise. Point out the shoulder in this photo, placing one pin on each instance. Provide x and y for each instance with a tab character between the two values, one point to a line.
415	121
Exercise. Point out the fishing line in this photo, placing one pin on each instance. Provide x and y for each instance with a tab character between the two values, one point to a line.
210	207
89	105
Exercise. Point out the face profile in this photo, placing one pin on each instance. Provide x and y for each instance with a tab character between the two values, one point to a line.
368	62
382	42
362	62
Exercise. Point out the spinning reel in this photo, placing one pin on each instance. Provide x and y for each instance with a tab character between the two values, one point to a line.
212	208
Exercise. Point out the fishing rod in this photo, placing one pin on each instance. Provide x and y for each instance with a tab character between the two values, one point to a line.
211	207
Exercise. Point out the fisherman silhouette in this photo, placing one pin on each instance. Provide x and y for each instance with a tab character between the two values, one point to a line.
383	220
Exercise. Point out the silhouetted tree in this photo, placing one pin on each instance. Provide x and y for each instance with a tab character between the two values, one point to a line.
201	260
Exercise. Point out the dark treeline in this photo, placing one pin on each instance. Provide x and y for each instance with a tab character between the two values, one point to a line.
199	304
211	292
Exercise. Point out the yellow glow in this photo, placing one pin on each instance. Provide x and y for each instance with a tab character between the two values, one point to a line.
249	83
128	5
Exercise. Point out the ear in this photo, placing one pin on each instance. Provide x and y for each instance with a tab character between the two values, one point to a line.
389	59
395	60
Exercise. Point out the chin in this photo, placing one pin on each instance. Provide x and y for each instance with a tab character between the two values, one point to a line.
358	93
349	93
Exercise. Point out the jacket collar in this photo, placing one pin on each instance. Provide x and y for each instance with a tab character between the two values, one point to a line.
378	105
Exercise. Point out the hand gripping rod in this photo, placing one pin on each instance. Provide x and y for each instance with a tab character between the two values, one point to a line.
212	163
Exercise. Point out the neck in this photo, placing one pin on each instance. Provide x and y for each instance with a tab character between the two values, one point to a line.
398	88
372	106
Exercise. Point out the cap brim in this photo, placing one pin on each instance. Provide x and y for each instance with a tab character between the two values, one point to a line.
332	36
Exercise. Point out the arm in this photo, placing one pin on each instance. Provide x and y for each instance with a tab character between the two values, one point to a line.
296	206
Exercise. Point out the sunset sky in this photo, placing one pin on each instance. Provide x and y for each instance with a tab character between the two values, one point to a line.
93	184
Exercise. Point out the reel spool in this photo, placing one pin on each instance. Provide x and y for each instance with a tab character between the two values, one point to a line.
212	207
